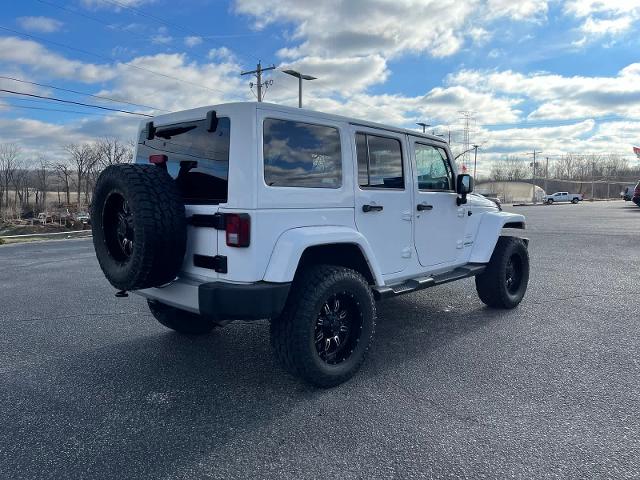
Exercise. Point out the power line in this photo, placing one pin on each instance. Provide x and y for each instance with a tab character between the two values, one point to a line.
168	23
56	110
74	103
146	38
103	57
82	93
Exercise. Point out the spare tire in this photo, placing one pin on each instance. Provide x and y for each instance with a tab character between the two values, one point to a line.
139	226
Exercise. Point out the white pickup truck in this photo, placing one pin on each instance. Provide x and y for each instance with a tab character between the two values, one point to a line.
562	197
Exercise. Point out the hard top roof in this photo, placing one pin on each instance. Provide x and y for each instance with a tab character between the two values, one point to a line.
201	112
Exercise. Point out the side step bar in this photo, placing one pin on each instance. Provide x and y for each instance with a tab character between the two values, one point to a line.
414	284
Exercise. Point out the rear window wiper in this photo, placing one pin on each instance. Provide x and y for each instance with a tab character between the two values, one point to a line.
169	132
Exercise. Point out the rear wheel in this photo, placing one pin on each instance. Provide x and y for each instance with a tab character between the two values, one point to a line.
139	226
180	320
504	282
327	326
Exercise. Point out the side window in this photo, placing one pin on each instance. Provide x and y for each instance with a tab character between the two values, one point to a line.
298	154
379	161
432	167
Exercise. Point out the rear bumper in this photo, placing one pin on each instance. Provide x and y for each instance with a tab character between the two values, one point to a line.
228	301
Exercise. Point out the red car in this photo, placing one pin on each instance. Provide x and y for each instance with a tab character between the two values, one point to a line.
636	195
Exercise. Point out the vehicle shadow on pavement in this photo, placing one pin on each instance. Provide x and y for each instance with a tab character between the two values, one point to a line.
151	406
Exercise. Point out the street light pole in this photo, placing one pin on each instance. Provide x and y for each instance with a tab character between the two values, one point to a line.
300	78
424	126
475	159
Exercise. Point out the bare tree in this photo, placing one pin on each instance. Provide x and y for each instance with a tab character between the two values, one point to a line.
9	153
111	151
42	182
20	185
64	173
84	158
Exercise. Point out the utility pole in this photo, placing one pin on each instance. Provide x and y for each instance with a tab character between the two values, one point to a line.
533	176
593	166
258	73
424	126
300	78
475	159
546	175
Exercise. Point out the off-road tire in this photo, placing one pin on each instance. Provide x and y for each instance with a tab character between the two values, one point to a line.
156	217
179	320
492	284
293	334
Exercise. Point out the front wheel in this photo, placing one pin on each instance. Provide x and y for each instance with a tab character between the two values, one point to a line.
550	201
504	282
327	326
575	200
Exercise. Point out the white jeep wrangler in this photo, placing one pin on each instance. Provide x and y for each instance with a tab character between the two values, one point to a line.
253	211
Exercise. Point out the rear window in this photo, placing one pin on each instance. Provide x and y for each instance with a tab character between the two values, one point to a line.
197	159
298	154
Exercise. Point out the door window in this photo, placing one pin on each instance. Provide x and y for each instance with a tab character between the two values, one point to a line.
379	162
432	166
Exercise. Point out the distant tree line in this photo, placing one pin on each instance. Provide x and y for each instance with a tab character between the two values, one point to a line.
577	170
28	184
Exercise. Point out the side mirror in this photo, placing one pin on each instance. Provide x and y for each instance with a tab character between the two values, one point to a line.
464	185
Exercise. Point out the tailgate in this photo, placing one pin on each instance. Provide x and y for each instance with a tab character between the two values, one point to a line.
202	244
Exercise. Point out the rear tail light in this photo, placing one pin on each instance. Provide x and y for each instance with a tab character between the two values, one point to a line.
238	229
158	159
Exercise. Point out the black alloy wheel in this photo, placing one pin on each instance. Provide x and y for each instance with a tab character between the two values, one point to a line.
504	281
119	231
513	274
338	328
327	326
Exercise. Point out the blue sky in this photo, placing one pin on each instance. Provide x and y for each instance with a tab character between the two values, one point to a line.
562	77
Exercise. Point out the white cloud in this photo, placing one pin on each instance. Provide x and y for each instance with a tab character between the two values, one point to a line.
221	82
161	39
119	5
40	24
27	53
339	75
611	17
366	28
518	10
559	97
614	26
192	41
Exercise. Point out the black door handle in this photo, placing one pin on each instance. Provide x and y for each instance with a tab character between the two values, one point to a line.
422	206
371	208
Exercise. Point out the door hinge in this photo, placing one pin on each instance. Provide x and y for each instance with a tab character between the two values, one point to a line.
217	263
217	220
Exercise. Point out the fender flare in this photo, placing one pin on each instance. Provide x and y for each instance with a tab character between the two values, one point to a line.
489	230
292	243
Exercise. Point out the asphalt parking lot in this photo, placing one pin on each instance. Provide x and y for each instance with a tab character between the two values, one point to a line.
92	387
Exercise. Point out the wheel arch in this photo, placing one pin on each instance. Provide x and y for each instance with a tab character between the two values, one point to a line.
490	230
343	246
